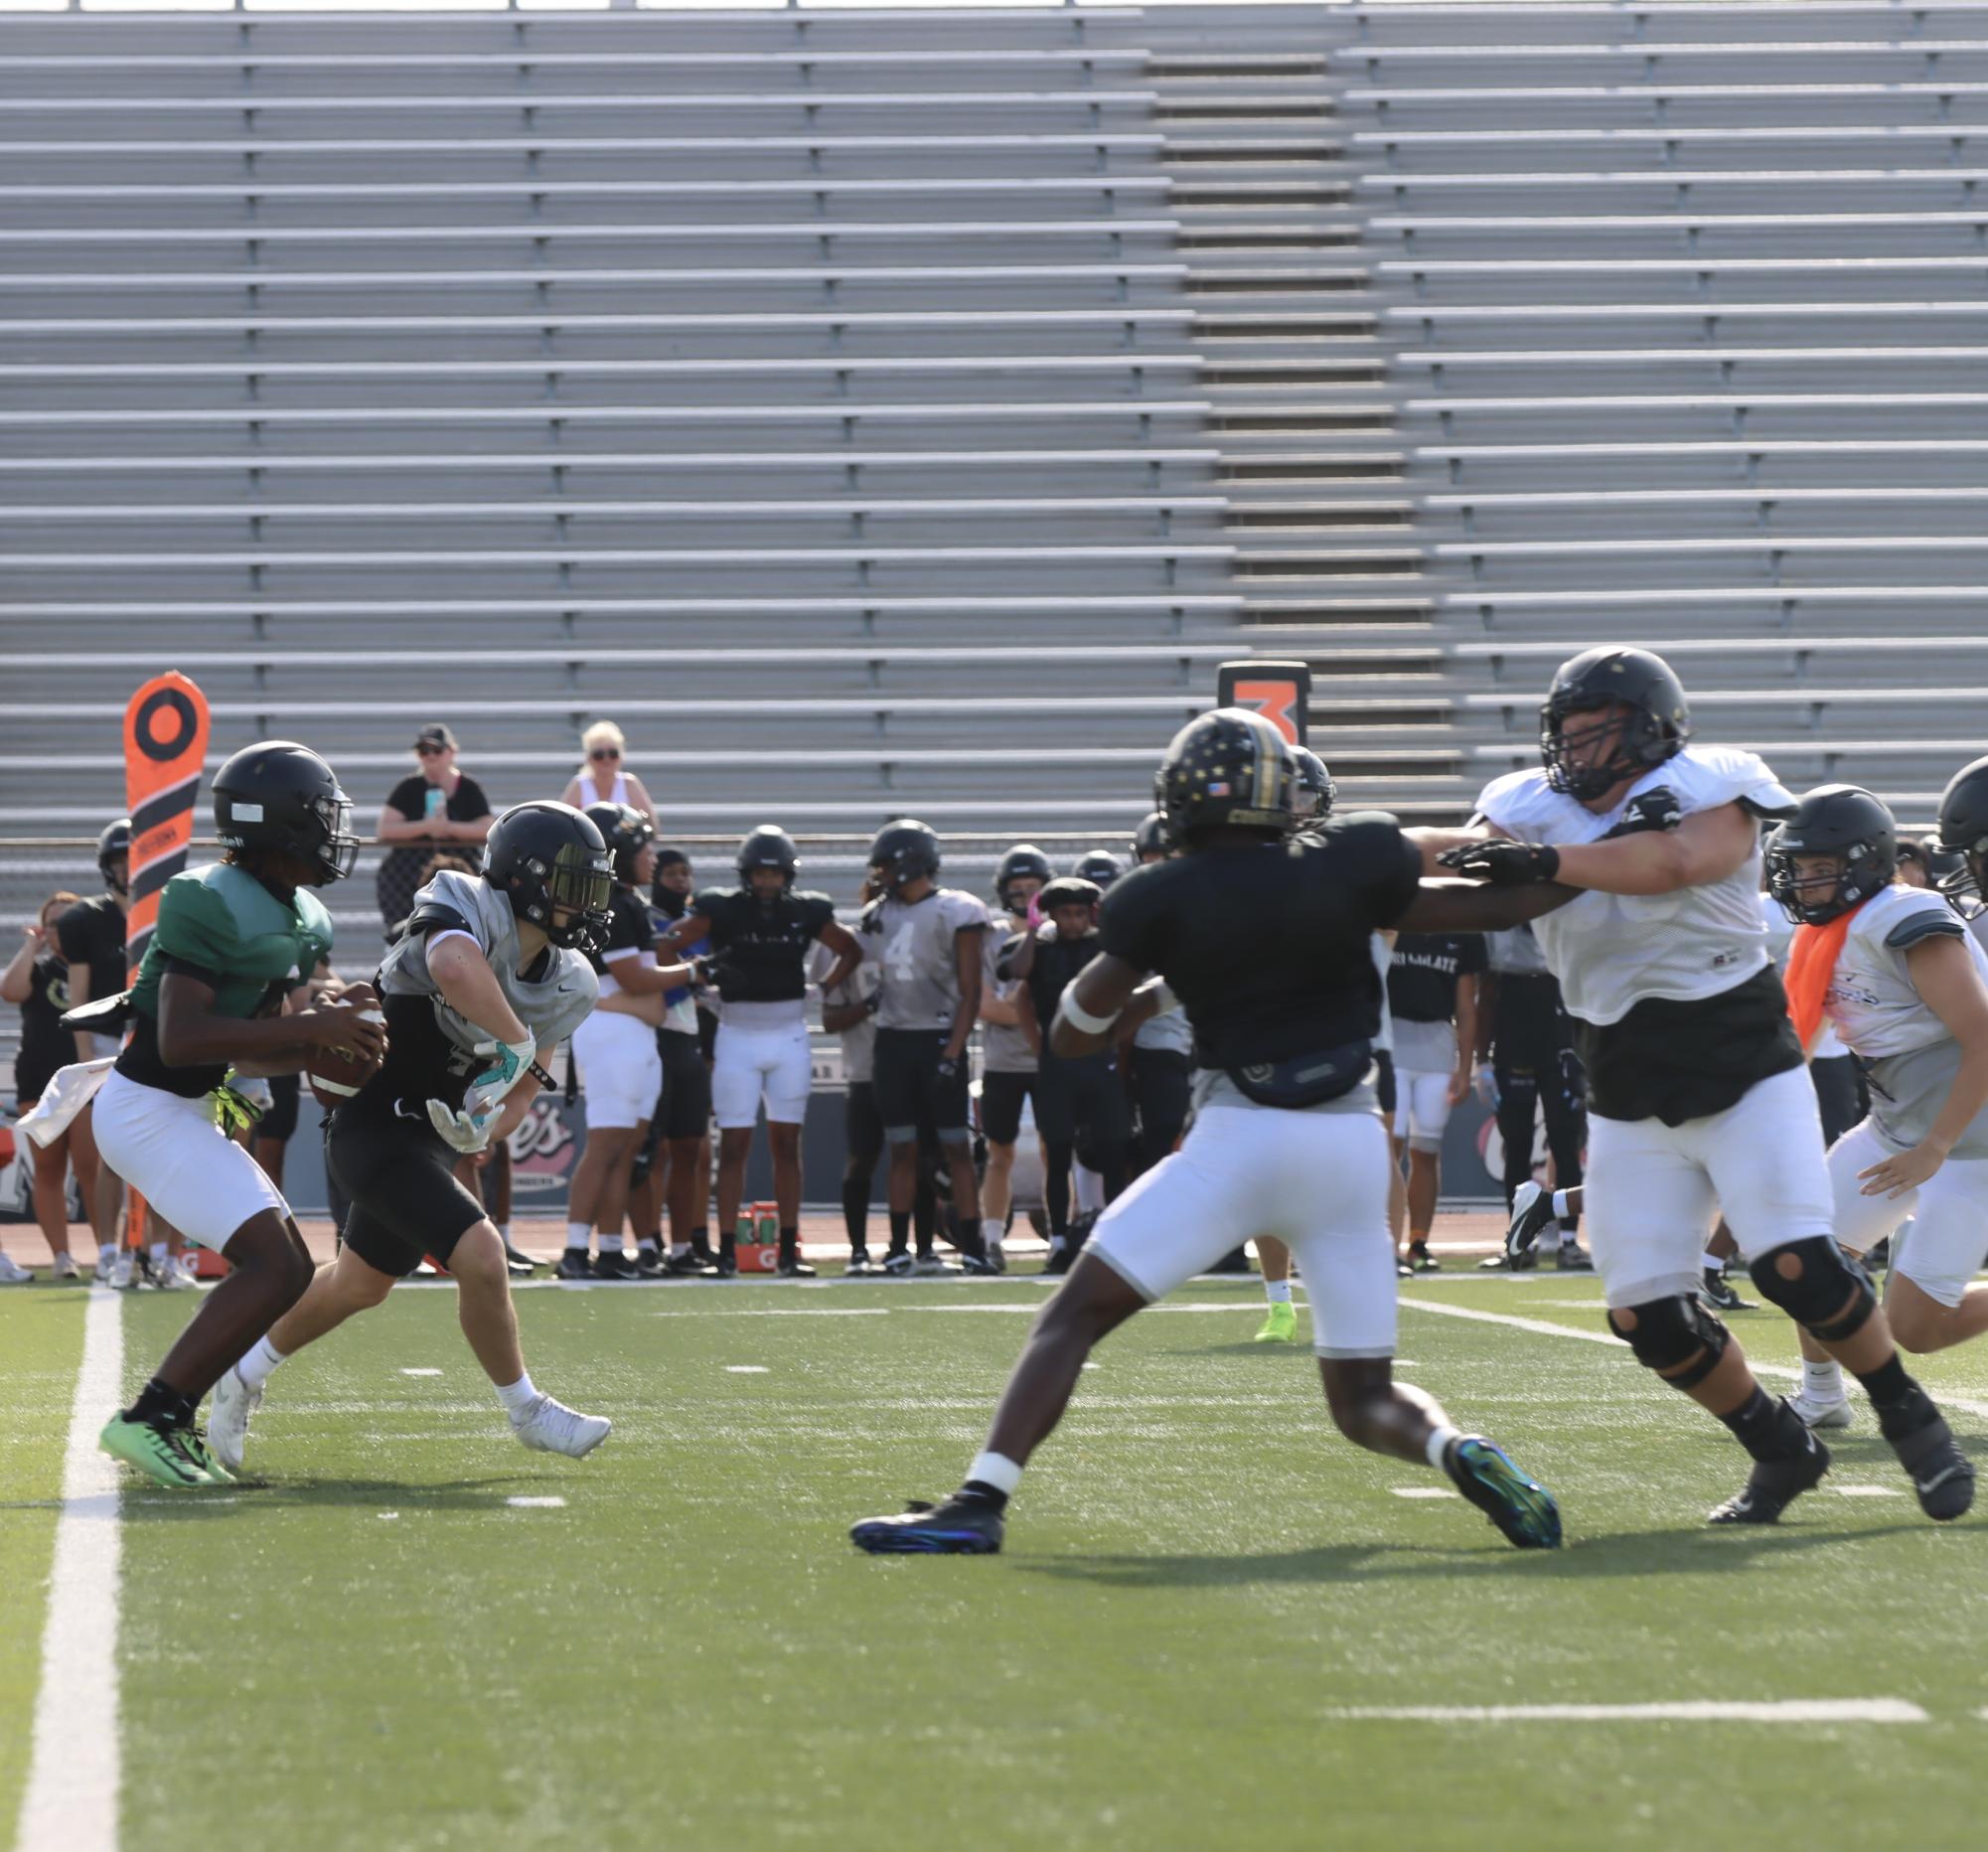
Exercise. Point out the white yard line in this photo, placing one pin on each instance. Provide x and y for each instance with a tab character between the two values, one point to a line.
1693	1711
70	1803
1546	1327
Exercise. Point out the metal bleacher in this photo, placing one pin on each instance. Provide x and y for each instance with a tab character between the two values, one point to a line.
1690	314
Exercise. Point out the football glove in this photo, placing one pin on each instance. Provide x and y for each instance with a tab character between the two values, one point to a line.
1656	808
459	1131
1503	863
507	1061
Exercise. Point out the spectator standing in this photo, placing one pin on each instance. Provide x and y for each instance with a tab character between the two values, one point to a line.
440	805
603	777
38	982
1433	1000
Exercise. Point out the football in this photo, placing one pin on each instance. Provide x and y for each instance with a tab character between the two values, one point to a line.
337	1077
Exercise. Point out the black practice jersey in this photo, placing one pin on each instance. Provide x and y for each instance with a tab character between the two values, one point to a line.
1055	967
1268	947
628	930
761	946
1422	978
92	933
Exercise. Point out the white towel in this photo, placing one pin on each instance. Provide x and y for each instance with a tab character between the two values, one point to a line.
68	1091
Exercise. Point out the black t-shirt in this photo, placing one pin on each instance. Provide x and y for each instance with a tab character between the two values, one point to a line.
401	869
1053	970
1675	1061
1268	947
92	933
44	1044
1421	978
628	930
761	946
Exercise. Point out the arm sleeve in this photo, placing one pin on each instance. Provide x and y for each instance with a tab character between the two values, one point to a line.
628	931
963	913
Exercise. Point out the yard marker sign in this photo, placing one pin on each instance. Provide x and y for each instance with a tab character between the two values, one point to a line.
1279	692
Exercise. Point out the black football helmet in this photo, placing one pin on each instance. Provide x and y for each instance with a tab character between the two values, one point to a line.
1964	832
626	832
768	847
282	795
903	850
1317	793
1150	838
545	856
1022	863
114	844
1658	728
1843	820
1098	867
1228	768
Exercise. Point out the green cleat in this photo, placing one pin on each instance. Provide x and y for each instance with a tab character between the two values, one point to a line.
1280	1325
194	1445
158	1452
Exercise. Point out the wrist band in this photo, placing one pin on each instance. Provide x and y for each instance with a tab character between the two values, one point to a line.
1079	1018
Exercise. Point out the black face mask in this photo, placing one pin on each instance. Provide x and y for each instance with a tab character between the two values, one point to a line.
668	901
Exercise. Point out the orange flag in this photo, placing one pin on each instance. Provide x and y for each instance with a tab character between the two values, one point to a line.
165	746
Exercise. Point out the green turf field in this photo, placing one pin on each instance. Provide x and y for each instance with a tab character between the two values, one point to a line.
378	1649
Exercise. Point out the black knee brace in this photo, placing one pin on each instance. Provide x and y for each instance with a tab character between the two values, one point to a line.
1673	1331
1824	1277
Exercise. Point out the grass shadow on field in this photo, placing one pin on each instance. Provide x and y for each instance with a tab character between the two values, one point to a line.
1625	1554
486	1495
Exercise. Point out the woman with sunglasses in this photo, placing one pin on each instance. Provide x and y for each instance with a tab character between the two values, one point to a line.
601	778
440	804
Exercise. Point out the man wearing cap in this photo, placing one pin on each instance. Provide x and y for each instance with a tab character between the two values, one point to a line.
436	805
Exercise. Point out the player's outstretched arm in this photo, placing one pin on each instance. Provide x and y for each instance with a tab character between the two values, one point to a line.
1463	906
1707	846
1433	842
469	987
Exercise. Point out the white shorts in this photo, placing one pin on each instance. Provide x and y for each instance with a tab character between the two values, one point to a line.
1317	1182
749	1063
1420	1109
1652	1189
172	1152
1948	1241
620	1070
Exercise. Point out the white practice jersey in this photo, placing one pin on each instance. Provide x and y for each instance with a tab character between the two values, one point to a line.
912	944
1612	951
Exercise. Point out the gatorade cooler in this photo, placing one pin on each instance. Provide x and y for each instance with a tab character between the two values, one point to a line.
759	1239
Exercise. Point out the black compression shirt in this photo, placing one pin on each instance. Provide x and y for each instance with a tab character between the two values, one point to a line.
761	947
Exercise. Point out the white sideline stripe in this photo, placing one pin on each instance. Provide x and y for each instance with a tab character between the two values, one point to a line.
1867	1492
746	1369
1694	1711
551	1504
1549	1329
74	1775
1423	1491
420	1372
1237	1310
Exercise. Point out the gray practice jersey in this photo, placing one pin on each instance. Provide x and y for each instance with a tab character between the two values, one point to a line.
1170	1030
550	1004
1003	1047
912	946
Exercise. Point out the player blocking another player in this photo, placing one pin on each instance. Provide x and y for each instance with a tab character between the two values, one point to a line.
1285	1140
479	993
1697	1092
231	939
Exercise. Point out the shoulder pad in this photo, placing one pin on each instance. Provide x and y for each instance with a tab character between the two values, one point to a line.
1517	800
1705	777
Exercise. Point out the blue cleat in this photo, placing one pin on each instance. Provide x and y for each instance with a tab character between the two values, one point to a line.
959	1527
1522	1509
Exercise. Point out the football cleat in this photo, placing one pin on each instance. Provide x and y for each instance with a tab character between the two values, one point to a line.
173	1274
520	1264
959	1527
1061	1257
1532	1211
227	1418
124	1273
194	1445
692	1264
897	1264
550	1426
12	1272
860	1264
997	1257
1774	1485
725	1267
1814	1414
1941	1475
1574	1258
574	1264
649	1263
156	1451
931	1267
790	1265
1521	1508
613	1264
1420	1260
66	1268
1718	1293
1280	1325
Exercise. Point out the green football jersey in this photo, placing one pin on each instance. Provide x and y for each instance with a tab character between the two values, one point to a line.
220	925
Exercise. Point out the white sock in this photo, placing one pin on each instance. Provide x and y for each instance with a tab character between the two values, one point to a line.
1278	1292
1439	1437
1088	1186
159	1252
518	1396
256	1367
577	1233
1560	1207
678	1248
997	1471
504	1232
649	1244
1712	1263
1057	1243
1821	1382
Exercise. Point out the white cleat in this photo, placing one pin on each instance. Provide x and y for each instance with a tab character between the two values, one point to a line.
66	1268
552	1427
1816	1414
175	1276
12	1272
106	1258
227	1418
124	1271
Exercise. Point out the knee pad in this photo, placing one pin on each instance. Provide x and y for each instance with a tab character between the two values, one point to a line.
1824	1277
1670	1332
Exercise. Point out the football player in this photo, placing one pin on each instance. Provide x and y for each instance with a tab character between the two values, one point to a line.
1156	1057
927	943
479	993
1432	1004
1893	970
620	1067
1099	866
1696	1089
1009	1046
761	932
1286	1138
231	939
683	1129
1959	866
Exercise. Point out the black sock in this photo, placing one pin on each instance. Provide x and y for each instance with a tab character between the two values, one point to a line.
1901	1404
856	1211
979	1491
162	1405
790	1241
1761	1424
967	1237
900	1231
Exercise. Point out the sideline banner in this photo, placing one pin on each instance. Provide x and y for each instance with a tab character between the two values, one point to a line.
1279	692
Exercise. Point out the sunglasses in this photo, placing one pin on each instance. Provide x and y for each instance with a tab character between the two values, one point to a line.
429	752
605	753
